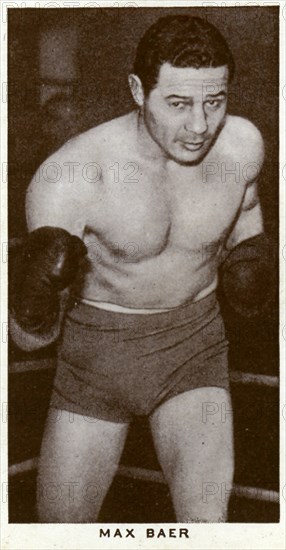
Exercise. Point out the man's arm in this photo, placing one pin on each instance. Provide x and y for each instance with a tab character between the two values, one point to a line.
248	267
46	263
249	222
248	260
58	194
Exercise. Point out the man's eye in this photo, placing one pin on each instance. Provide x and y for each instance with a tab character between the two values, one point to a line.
214	103
178	104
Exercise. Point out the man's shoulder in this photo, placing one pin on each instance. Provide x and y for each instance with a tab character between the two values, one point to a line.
92	145
244	140
244	128
97	141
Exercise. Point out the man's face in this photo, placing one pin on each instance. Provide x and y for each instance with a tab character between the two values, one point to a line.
186	109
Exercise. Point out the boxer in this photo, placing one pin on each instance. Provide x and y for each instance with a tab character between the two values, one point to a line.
159	197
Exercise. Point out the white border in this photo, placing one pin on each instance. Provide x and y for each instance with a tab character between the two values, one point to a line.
85	536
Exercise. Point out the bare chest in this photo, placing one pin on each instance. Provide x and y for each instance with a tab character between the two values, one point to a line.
144	211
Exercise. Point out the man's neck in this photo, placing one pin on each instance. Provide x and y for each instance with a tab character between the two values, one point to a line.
147	147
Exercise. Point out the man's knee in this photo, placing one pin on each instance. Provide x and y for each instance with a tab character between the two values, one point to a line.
201	501
201	488
68	501
77	464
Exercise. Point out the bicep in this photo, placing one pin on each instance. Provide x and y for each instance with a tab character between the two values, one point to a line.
54	203
249	221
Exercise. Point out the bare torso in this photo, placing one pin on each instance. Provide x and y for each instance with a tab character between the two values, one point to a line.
154	229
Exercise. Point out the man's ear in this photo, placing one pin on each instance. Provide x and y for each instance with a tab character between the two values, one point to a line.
136	88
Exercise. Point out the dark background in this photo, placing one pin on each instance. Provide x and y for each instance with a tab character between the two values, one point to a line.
106	43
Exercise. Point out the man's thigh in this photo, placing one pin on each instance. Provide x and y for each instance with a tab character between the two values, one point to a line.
79	458
193	436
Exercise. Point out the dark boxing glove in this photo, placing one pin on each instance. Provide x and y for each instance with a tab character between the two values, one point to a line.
248	276
44	265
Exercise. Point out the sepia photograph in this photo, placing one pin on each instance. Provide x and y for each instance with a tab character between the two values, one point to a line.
143	252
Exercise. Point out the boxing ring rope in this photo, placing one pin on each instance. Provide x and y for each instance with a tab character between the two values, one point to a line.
142	474
154	476
17	367
241	377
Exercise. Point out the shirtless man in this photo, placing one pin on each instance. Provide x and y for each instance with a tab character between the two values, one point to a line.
157	196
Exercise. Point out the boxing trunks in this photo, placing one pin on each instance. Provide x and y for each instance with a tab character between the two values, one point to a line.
114	365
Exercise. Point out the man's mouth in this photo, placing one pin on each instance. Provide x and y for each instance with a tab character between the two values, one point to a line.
192	146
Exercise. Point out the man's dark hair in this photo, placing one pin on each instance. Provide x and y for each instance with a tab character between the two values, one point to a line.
182	41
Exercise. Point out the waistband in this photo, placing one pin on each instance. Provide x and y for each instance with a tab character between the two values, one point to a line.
102	319
107	306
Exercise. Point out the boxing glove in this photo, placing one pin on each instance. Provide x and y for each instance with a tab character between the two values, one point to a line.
248	276
45	264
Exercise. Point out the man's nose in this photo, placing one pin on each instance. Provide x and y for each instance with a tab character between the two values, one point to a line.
196	121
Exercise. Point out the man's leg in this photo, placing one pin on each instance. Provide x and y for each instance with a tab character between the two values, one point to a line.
193	436
79	458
